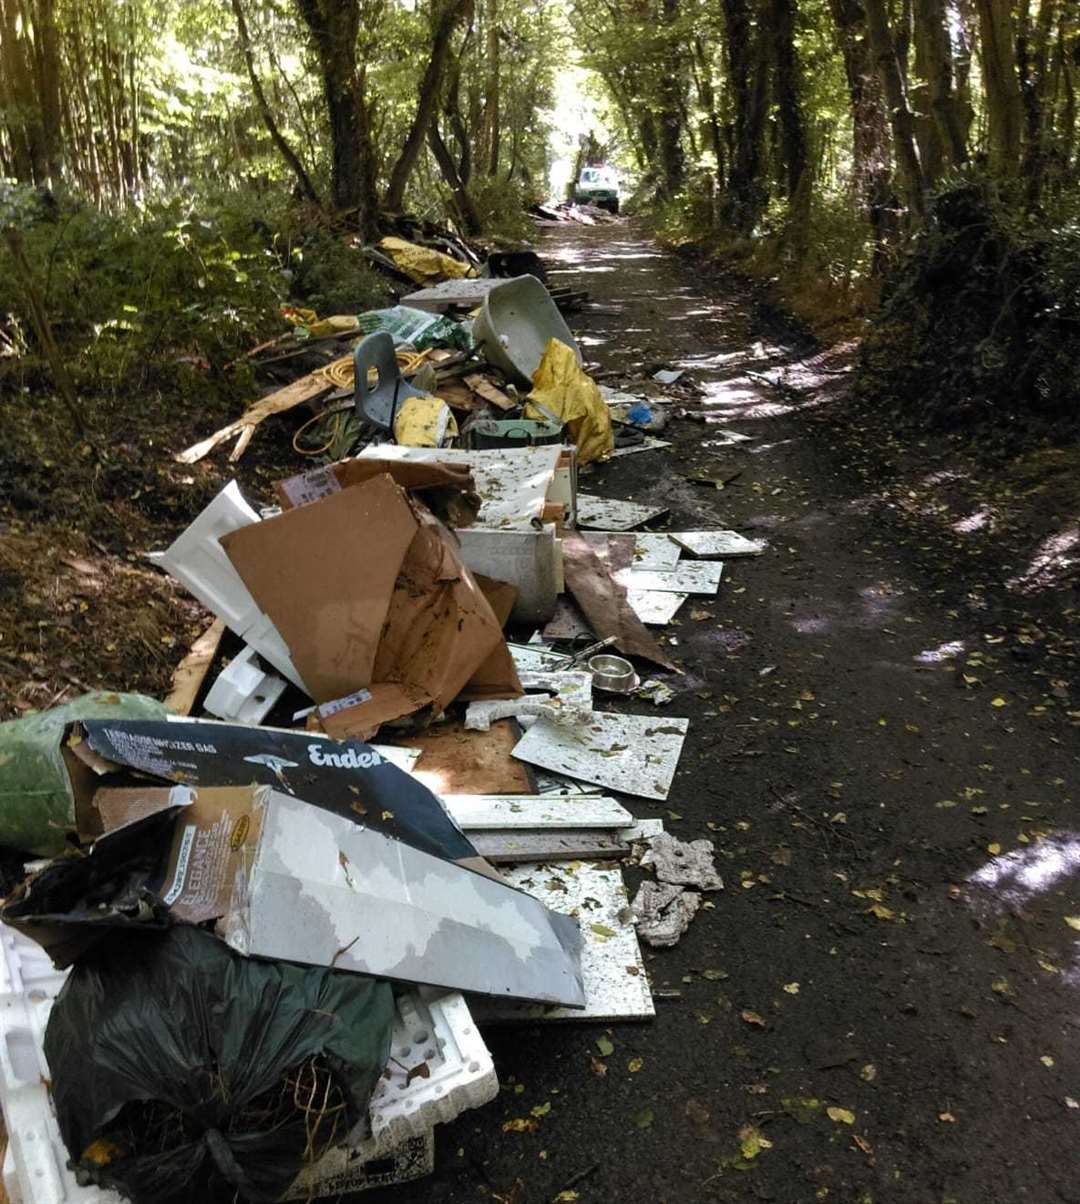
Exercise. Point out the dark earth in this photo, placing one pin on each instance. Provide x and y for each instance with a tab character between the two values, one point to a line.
875	723
881	1005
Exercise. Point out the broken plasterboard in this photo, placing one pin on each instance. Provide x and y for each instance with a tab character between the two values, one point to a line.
655	606
653	550
553	844
612	969
537	658
610	514
506	811
568	623
513	482
715	545
564	697
448	294
688	577
649	443
635	754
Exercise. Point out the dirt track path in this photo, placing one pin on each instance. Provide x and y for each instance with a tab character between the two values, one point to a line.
858	741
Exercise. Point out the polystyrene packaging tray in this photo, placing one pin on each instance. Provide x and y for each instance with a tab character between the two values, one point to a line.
439	1067
433	1031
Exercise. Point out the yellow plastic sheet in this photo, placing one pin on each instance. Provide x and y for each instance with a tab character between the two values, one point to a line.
563	389
422	264
424	421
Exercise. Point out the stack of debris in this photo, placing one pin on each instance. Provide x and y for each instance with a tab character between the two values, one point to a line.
357	907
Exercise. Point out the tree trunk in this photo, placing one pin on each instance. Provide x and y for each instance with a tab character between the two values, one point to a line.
470	219
934	62
1034	76
872	168
492	132
334	26
446	18
901	120
280	141
1004	104
48	49
28	140
707	95
782	15
744	199
669	118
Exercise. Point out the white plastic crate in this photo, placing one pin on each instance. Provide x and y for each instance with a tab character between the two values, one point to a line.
431	1029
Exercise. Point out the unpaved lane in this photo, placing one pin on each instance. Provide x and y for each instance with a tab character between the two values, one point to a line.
859	749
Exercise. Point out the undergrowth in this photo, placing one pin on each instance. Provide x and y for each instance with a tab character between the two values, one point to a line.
979	326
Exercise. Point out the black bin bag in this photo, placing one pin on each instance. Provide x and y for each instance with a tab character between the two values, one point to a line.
183	1073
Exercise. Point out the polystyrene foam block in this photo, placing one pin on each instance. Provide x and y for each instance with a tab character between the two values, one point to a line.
431	1028
436	1031
199	562
243	691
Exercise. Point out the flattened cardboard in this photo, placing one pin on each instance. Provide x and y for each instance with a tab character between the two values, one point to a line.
449	489
325	574
325	891
348	778
439	628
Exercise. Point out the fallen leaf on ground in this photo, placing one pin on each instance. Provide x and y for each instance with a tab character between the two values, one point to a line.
597	1067
792	988
604	1046
882	912
754	1019
752	1141
1073	922
644	1118
1047	1061
634	1065
541	1109
840	1115
521	1124
868	1072
863	1145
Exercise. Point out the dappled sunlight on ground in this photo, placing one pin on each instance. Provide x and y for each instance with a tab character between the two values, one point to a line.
981	520
943	652
1056	558
1011	880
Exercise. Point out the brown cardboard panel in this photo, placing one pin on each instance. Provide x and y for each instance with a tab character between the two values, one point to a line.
449	489
213	850
325	575
603	602
119	805
374	706
497	677
456	761
440	628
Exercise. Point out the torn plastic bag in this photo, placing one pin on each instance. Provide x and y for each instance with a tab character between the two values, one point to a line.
38	787
561	390
417	327
183	1073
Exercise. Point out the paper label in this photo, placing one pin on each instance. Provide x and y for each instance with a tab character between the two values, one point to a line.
310	486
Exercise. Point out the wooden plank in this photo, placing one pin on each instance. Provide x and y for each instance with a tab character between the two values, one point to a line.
191	672
307	388
489	392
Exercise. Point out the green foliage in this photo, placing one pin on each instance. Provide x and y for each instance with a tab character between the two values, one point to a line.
133	297
330	275
978	324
